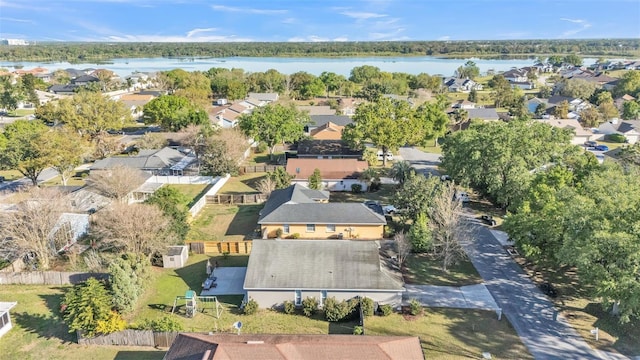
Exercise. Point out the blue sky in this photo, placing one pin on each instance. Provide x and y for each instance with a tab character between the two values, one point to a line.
313	20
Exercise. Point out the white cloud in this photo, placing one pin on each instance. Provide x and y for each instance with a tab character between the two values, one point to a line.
198	31
392	35
248	10
290	21
315	38
444	38
584	25
13	5
362	15
16	20
175	38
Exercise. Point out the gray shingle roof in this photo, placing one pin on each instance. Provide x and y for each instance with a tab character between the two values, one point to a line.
145	159
318	264
296	194
319	120
323	213
484	114
312	147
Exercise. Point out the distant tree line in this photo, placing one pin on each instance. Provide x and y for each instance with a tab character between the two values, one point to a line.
87	52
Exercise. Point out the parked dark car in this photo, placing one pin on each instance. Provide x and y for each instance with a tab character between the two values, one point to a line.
590	144
1	179
488	219
602	148
549	290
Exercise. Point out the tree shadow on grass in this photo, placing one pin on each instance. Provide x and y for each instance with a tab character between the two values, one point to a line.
46	326
343	327
244	221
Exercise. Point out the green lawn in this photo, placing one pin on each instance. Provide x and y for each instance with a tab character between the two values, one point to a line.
247	183
225	223
454	333
10	175
383	195
190	191
425	269
39	333
431	149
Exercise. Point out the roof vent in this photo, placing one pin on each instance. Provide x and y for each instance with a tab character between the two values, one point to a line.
255	342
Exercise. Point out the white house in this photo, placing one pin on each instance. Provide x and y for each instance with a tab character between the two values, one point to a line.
5	318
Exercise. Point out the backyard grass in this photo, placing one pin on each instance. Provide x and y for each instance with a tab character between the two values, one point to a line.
247	183
585	313
39	333
454	333
425	269
225	223
383	195
190	191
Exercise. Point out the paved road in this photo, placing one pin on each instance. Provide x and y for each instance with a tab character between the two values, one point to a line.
530	312
425	163
15	185
464	297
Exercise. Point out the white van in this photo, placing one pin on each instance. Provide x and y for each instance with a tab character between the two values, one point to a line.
389	155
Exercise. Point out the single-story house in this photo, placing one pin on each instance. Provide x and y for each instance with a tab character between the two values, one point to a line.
292	270
327	149
5	317
454	84
265	97
515	75
337	174
85	80
524	85
68	229
84	200
317	109
629	128
136	103
68	89
165	161
320	120
580	134
486	114
300	212
464	104
197	346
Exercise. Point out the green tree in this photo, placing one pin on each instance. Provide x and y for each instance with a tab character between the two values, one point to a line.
562	110
469	71
85	305
174	113
473	96
573	59
93	114
26	148
274	124
629	84
124	285
315	180
497	159
173	204
608	110
578	88
67	150
363	74
591	117
401	171
420	234
332	81
215	160
541	109
281	178
415	196
630	110
431	124
387	124
502	92
544	92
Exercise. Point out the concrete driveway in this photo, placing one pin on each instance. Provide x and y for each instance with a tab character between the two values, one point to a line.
424	163
530	312
464	297
229	280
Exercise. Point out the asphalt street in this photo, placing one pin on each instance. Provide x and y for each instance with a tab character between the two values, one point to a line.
424	163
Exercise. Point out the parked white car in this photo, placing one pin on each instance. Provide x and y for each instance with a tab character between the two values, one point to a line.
462	196
389	155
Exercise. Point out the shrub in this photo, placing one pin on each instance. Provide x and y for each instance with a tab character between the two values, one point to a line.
111	324
386	309
616	138
251	307
164	323
295	236
87	306
367	306
358	330
289	307
333	310
262	147
309	306
279	233
356	188
415	308
375	186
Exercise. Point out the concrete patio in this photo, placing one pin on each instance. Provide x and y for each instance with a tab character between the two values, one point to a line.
229	281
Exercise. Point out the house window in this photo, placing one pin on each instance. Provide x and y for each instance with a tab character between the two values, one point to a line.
298	298
331	227
323	297
285	229
311	227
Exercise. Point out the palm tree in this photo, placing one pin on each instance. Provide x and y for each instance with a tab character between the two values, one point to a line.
460	116
401	171
368	176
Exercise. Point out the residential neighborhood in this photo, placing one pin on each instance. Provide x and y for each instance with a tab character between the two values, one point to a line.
231	214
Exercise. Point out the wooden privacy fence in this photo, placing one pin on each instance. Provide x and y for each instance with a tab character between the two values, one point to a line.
224	199
132	338
258	168
220	247
47	277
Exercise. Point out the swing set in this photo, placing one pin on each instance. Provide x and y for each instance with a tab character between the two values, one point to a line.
193	302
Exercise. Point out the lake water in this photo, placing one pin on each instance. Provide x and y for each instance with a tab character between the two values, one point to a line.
342	66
